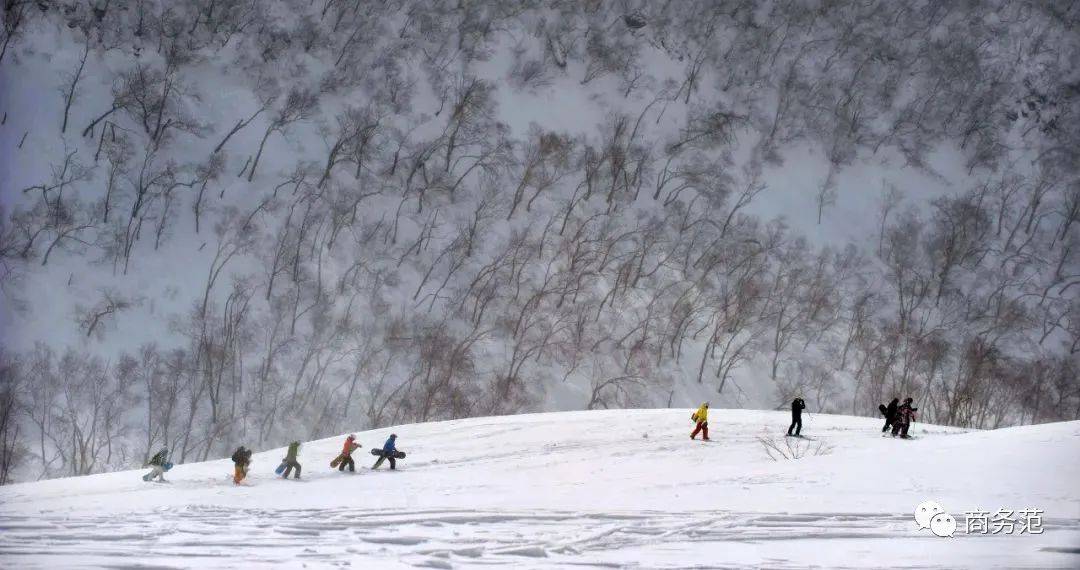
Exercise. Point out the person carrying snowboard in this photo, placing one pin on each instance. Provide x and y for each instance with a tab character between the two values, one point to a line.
157	464
346	455
701	422
388	450
890	413
290	461
241	459
905	414
797	406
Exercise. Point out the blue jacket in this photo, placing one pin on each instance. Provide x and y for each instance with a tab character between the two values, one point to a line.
388	447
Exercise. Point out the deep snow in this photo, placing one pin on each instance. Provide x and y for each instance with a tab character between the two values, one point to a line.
604	488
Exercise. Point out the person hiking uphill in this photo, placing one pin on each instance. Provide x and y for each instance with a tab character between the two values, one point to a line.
345	459
797	406
290	460
701	419
241	460
388	450
890	414
157	464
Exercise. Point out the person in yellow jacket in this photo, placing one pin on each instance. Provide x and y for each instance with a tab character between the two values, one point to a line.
701	418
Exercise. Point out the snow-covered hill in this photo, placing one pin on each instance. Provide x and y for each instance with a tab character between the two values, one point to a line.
611	488
225	220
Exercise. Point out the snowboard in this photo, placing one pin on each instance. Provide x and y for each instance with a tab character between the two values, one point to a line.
379	453
280	468
884	411
335	462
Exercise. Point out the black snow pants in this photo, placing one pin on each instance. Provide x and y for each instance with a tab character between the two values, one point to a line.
796	424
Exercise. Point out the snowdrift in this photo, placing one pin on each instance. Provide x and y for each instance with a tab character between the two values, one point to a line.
625	488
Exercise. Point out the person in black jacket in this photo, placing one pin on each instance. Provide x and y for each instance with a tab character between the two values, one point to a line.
890	414
797	406
905	414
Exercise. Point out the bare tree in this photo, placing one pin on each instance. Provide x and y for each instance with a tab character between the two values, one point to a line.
357	130
155	99
890	199
13	451
546	161
93	319
16	13
69	90
56	213
826	193
299	105
472	115
206	173
152	187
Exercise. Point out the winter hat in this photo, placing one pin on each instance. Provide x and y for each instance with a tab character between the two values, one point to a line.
351	436
393	436
908	400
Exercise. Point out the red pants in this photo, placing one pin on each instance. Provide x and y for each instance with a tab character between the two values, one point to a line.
703	427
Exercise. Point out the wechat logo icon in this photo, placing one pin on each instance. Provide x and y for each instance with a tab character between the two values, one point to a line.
930	515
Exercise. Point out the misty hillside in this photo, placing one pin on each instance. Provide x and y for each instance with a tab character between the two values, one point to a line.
253	221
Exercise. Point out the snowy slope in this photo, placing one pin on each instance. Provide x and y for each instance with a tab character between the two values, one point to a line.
457	271
612	488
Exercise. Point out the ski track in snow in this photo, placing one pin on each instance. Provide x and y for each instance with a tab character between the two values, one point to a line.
220	537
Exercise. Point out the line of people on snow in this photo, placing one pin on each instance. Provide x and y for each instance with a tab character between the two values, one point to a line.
898	417
388	451
290	465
